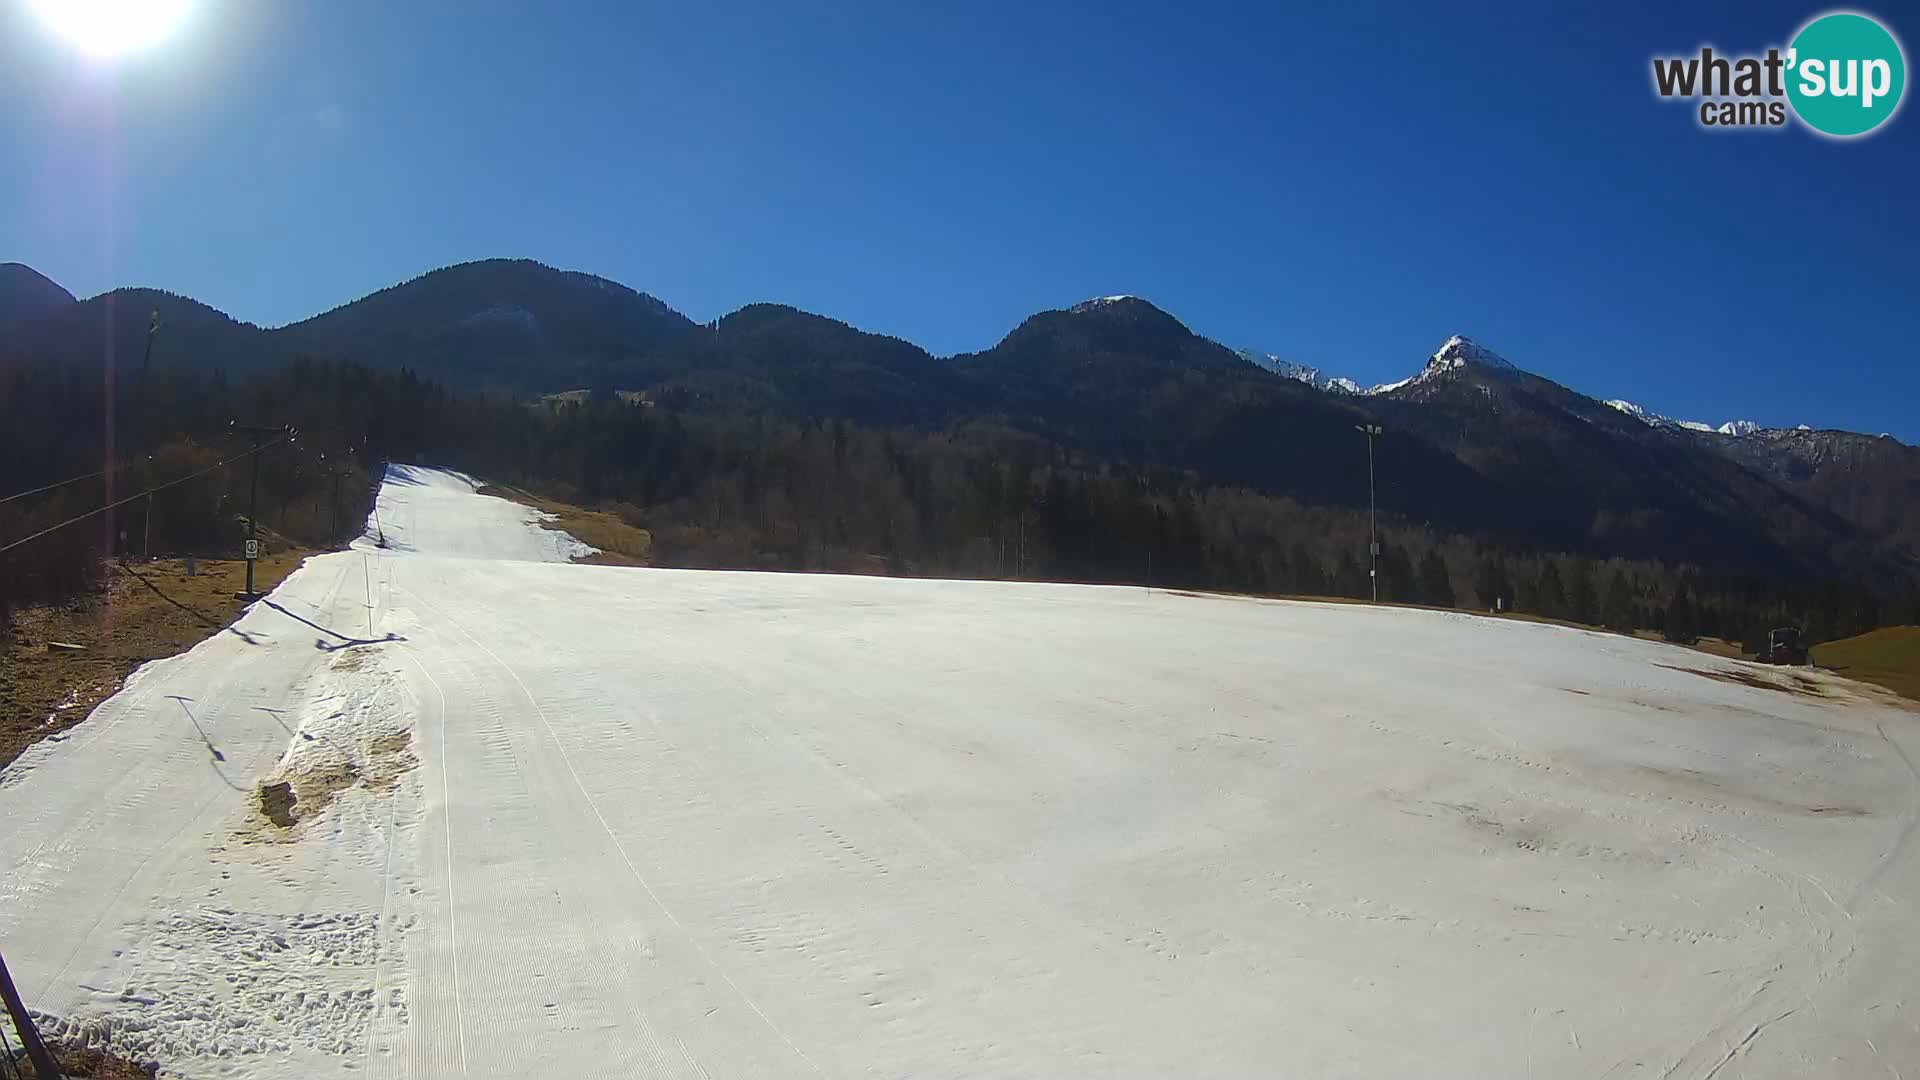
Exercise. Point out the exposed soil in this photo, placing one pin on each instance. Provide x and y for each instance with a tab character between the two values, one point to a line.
88	1062
304	795
620	543
276	803
1786	681
146	611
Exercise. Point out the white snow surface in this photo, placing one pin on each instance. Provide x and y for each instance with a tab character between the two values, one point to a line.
683	823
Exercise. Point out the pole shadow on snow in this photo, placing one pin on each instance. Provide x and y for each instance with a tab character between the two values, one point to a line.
345	641
278	715
307	736
198	616
186	706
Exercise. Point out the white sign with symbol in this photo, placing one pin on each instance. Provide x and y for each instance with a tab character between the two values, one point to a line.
253	549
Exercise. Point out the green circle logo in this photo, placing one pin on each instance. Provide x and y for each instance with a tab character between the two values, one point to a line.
1845	74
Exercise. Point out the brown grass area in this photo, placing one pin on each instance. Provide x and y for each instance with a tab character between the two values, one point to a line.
85	1061
1889	657
620	543
145	612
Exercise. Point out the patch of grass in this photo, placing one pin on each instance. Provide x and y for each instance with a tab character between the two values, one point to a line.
94	1064
144	612
1889	657
620	543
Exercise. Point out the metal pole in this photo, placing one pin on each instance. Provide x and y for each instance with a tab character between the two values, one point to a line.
253	513
23	1026
253	495
1373	536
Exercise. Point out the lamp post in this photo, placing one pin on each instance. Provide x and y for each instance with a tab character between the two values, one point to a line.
1373	539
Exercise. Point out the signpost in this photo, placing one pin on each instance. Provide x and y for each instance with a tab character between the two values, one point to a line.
253	501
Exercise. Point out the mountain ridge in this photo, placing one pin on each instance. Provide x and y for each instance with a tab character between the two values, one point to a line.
1475	444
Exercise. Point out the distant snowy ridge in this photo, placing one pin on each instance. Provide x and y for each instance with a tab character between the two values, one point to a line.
1305	373
1460	351
1654	419
1457	351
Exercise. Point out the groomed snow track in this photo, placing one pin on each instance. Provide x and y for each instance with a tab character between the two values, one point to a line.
581	821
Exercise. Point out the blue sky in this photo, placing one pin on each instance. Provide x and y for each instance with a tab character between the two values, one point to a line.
1343	185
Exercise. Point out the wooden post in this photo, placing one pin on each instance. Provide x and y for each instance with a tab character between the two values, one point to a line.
23	1026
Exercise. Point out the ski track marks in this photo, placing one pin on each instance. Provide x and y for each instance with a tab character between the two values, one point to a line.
675	823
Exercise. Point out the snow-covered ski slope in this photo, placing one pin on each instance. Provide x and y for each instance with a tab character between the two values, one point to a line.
601	822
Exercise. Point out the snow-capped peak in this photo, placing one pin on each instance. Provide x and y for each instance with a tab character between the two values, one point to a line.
1456	352
1646	416
1098	302
1459	351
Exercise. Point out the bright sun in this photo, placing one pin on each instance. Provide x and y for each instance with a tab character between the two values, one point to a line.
109	28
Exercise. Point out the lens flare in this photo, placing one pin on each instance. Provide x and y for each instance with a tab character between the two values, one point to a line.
110	28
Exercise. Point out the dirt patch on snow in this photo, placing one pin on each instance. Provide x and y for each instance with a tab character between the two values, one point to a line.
1784	681
95	1064
302	796
276	804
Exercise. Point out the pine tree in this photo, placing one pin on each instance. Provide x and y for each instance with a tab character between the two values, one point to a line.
1436	586
1490	582
1616	607
1348	578
1549	595
1397	583
1582	605
1680	625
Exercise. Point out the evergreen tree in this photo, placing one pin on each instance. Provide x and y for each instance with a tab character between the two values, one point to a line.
1550	595
1679	625
1617	607
1436	587
1349	579
1491	584
1397	583
1582	604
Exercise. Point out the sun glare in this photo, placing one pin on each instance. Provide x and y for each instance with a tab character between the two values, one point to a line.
110	28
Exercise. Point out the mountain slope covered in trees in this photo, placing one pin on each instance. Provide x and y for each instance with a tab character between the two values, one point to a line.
1474	447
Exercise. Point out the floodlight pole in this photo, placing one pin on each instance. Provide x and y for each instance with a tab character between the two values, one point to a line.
1373	538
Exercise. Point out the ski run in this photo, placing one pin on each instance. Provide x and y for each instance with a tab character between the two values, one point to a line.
456	806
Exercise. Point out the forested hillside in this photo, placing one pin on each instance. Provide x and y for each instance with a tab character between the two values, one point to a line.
978	499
